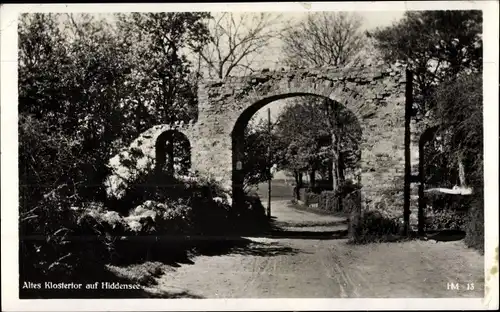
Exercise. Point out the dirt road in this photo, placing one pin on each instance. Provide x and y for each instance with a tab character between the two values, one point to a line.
310	261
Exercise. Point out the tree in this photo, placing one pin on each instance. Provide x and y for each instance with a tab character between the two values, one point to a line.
307	145
164	83
71	75
439	47
435	45
324	38
256	161
80	79
235	39
459	105
103	85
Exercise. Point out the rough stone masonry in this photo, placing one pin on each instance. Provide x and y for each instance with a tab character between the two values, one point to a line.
374	94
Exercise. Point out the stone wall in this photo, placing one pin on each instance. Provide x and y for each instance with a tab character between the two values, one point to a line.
374	94
140	157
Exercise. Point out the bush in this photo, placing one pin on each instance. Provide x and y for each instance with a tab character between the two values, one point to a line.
320	186
351	201
58	243
474	228
346	199
311	198
445	220
302	194
329	201
371	226
443	201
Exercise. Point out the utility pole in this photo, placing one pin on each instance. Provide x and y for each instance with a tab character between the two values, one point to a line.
269	162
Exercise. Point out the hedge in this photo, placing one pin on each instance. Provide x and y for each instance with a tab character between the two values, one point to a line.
346	199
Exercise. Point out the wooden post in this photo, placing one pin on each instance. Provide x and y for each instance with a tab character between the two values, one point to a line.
269	162
408	113
421	188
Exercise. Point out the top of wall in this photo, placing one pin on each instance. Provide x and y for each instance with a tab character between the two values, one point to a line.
333	73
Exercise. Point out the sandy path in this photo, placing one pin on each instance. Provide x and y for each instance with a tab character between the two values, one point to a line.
326	267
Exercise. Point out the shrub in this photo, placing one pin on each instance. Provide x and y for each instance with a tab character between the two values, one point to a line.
474	228
302	194
345	199
371	226
252	219
328	201
311	198
153	217
351	201
445	220
443	201
58	242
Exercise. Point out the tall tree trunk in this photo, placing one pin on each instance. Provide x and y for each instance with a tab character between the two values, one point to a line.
297	184
341	168
461	172
335	164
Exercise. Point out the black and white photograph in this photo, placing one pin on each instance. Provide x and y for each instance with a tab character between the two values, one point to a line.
250	151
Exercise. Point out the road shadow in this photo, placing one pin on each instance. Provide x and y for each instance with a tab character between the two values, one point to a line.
244	246
315	235
445	235
306	224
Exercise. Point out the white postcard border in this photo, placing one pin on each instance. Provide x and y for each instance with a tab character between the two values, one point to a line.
9	165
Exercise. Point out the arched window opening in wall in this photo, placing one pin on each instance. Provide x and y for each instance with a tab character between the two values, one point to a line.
173	153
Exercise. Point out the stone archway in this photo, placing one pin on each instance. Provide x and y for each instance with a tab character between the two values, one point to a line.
375	95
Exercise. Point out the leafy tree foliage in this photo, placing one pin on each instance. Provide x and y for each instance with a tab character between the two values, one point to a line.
103	84
71	77
441	48
163	83
305	131
436	45
86	88
261	151
459	105
444	50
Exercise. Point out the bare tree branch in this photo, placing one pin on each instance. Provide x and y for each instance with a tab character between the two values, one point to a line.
235	37
326	38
